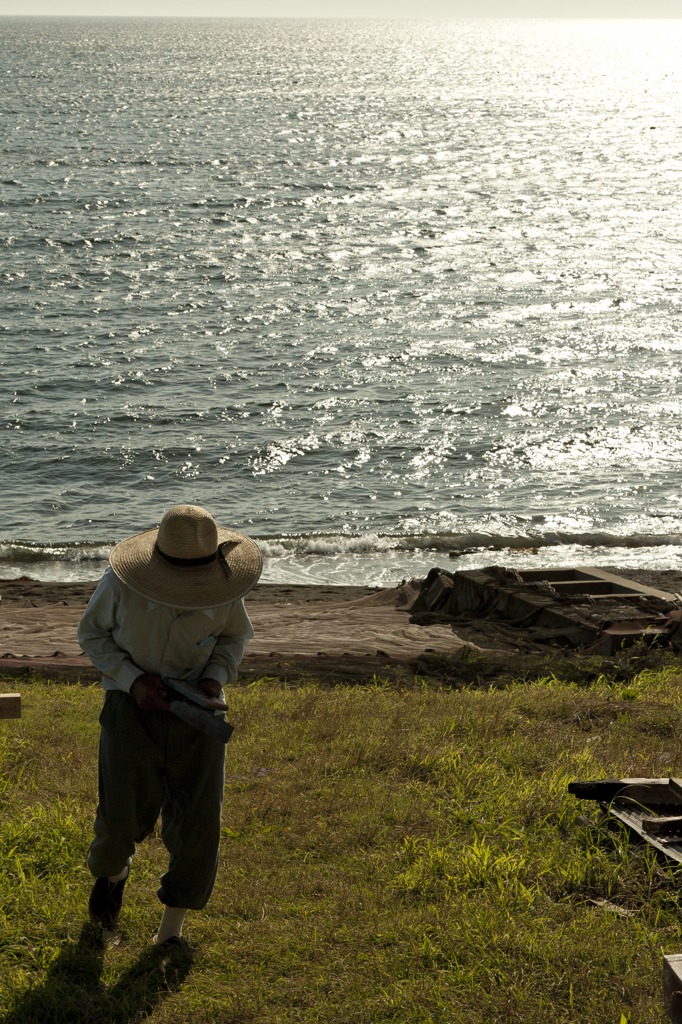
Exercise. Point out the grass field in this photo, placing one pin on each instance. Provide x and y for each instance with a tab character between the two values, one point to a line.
390	853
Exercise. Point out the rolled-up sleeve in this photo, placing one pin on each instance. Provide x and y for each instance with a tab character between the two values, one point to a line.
96	636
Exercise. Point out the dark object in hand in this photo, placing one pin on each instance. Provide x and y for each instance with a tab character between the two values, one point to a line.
204	720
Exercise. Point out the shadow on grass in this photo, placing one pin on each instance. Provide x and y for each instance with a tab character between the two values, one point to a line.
73	991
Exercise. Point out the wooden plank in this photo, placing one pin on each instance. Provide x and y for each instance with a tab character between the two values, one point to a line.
676	786
639	802
672	986
607	789
668	825
438	593
639	588
595	582
670	847
10	705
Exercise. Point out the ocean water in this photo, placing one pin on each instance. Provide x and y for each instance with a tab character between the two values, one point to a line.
384	295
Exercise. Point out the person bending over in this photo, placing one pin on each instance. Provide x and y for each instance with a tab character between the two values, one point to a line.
169	606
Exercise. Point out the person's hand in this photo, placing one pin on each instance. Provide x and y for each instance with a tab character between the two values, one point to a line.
210	687
149	693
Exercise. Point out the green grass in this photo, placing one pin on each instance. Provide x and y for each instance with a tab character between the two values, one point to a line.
390	853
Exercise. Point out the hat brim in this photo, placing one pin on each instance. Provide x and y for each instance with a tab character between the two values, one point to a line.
137	562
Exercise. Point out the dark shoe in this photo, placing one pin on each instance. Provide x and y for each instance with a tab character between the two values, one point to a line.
176	948
174	942
105	903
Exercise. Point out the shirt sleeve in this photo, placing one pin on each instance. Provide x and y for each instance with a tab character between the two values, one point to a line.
235	633
96	635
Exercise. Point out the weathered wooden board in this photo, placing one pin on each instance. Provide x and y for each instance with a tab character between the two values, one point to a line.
648	806
10	705
608	789
672	986
663	825
653	809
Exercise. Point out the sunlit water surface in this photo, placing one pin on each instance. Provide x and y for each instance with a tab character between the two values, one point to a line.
374	292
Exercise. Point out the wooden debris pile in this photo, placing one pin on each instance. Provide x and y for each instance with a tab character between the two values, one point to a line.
586	608
652	808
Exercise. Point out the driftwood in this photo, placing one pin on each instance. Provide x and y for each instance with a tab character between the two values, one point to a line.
585	608
652	808
672	986
662	825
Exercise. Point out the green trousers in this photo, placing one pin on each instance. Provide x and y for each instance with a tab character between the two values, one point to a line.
151	763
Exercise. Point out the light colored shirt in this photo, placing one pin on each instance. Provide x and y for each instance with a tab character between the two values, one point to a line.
125	634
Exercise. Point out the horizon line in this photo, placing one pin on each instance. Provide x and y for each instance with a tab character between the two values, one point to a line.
347	17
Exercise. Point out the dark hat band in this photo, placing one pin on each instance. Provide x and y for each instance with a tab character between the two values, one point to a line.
188	562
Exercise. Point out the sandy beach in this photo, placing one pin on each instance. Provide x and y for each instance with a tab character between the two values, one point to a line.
334	632
345	631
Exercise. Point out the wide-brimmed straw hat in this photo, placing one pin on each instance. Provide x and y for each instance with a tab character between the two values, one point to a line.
189	561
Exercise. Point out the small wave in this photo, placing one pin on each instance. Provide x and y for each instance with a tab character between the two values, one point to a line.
465	543
322	545
372	559
332	545
454	543
29	553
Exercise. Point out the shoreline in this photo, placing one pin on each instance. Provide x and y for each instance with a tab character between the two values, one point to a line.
36	593
25	588
333	632
349	631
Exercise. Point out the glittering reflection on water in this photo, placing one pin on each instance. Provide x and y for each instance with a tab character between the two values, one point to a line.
346	278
